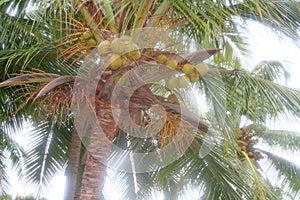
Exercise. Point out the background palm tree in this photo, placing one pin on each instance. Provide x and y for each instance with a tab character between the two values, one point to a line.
53	45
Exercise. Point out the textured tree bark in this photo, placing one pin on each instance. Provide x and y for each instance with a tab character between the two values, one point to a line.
72	169
93	177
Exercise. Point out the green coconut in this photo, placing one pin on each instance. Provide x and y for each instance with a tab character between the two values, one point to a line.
134	55
202	68
115	62
171	83
172	63
104	48
194	77
87	35
117	46
188	69
161	59
132	51
91	42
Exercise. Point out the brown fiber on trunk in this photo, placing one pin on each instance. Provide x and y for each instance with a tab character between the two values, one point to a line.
72	169
93	177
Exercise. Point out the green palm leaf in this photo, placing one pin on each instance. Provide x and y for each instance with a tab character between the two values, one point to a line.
46	152
281	16
11	152
287	173
287	140
271	70
217	177
257	98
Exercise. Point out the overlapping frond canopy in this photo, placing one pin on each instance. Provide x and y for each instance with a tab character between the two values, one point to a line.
47	35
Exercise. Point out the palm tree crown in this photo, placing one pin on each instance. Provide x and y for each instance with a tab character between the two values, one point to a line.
53	47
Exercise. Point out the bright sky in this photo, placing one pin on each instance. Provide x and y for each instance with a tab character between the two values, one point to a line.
265	46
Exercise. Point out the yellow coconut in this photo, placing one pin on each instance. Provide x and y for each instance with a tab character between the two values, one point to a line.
172	63
194	77
134	55
188	69
161	59
115	62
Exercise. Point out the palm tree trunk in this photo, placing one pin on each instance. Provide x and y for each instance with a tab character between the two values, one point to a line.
93	177
72	169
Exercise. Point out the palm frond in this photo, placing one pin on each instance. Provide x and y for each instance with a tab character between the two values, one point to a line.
46	150
258	98
53	84
271	70
213	175
287	173
286	140
215	92
124	183
282	16
29	78
203	20
12	153
33	44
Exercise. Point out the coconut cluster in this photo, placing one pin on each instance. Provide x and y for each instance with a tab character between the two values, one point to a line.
246	143
89	39
192	73
120	51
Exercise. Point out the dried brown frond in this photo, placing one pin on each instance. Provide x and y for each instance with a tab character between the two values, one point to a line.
176	130
32	90
58	102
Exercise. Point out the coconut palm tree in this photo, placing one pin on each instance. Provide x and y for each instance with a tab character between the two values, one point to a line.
56	37
249	138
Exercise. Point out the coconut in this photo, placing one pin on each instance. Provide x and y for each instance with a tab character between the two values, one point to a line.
162	59
202	68
117	46
194	77
172	63
104	48
250	154
91	42
188	69
115	62
132	51
171	83
173	99
134	55
87	35
125	60
183	81
126	39
130	47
